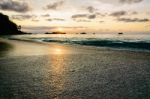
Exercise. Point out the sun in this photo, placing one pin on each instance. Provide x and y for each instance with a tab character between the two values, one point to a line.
60	30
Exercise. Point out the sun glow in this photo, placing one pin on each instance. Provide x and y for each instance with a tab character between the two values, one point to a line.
60	30
58	51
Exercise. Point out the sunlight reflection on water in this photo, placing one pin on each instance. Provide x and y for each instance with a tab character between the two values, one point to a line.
58	51
57	72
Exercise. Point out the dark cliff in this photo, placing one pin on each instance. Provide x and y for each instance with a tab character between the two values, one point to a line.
7	27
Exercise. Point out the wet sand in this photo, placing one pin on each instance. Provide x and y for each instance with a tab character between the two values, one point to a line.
55	71
4	47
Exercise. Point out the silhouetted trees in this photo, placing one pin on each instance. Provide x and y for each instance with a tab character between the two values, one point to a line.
7	26
19	27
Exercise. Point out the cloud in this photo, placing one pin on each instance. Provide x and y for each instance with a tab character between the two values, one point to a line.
35	20
93	16
118	13
48	19
55	19
58	19
101	21
148	12
52	27
74	27
55	5
147	26
91	9
134	13
78	17
120	1
10	5
82	20
109	1
133	20
45	15
130	1
23	17
100	14
49	28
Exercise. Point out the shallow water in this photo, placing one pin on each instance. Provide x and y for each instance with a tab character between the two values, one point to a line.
127	41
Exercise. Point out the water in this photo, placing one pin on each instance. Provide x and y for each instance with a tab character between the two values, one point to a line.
125	41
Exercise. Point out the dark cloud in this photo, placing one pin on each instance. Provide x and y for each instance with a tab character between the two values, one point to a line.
48	19
23	17
91	9
78	17
55	5
133	20
130	1
10	5
118	13
92	16
55	19
123	13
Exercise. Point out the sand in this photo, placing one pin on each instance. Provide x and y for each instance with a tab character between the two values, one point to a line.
56	71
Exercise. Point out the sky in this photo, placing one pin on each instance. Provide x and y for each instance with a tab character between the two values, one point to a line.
73	16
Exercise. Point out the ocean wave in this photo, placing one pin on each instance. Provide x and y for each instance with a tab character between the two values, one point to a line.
135	42
106	43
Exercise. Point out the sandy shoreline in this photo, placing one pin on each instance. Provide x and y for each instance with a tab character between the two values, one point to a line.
31	70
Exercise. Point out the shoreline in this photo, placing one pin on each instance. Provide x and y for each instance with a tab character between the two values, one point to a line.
75	45
138	44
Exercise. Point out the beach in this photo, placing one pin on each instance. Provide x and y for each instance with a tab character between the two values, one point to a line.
32	70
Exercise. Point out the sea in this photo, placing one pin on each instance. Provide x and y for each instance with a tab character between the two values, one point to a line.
130	41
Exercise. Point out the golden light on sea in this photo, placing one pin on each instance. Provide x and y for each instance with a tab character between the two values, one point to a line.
58	51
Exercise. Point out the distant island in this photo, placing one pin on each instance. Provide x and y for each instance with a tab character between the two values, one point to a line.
120	33
7	27
55	33
83	33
